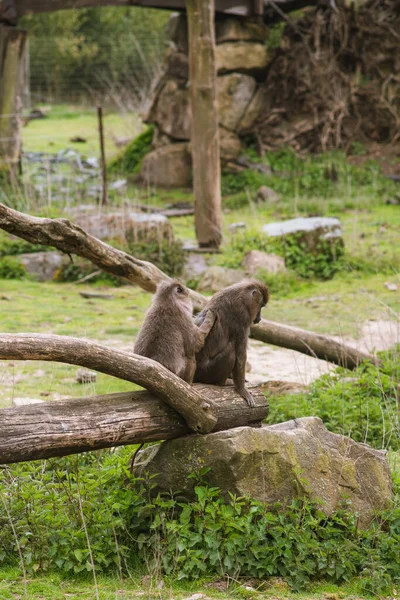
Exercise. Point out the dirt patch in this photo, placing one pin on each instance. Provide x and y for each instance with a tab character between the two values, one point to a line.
277	364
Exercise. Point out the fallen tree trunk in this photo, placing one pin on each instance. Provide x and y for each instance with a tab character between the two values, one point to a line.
65	427
313	344
182	397
71	239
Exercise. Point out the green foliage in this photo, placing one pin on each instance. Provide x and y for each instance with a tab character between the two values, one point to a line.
50	505
95	48
167	255
10	246
326	175
130	160
362	404
322	260
11	268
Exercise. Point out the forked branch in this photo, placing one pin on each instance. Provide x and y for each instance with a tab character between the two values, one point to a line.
197	411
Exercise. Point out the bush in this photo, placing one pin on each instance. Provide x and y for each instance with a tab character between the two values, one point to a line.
321	261
11	268
324	176
130	160
167	255
361	403
51	503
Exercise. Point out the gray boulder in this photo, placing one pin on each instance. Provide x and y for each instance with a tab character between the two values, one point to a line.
258	103
171	110
168	166
277	463
218	278
254	260
326	227
230	145
43	265
266	194
233	29
243	57
124	224
234	93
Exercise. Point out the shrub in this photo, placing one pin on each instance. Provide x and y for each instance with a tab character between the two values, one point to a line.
240	537
11	268
321	261
130	160
361	403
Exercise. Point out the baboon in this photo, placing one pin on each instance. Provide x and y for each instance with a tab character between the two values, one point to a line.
169	334
225	350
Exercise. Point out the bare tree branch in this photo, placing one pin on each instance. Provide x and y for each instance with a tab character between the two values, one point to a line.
182	397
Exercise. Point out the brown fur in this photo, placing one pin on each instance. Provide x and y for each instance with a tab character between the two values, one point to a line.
169	334
225	350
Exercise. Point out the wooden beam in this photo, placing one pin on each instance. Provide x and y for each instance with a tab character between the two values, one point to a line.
182	397
8	12
12	49
204	135
65	427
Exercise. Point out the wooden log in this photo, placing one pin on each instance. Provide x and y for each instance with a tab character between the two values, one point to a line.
65	427
182	397
12	49
310	343
67	237
204	133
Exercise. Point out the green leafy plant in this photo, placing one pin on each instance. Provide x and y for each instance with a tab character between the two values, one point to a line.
361	403
47	506
11	268
130	160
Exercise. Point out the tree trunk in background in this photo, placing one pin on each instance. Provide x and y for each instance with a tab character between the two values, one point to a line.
205	139
12	68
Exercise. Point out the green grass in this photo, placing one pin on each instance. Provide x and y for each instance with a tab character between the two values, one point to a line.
65	122
53	587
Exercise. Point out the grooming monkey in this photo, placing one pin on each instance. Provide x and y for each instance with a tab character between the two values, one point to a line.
169	334
225	349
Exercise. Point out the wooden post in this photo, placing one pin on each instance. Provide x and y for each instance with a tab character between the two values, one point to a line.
104	200
205	138
12	49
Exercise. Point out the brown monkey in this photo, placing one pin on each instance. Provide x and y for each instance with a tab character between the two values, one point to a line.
169	334
225	350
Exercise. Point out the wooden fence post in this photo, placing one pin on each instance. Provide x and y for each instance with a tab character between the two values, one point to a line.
12	50
205	138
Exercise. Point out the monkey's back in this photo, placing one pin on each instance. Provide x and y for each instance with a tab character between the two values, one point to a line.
162	337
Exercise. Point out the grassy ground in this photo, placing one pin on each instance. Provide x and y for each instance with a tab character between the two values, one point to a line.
64	122
371	234
12	587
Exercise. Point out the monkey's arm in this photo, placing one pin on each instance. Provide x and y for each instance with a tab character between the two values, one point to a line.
239	374
204	328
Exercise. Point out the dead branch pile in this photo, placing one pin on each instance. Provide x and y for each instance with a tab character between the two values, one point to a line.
335	79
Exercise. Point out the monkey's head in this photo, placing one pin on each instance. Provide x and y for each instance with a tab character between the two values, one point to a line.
174	291
257	297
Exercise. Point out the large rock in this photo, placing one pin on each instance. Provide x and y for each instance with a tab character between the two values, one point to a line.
43	266
243	57
256	260
234	94
229	145
257	105
125	224
314	234
232	29
218	278
176	64
327	227
276	463
171	110
168	166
